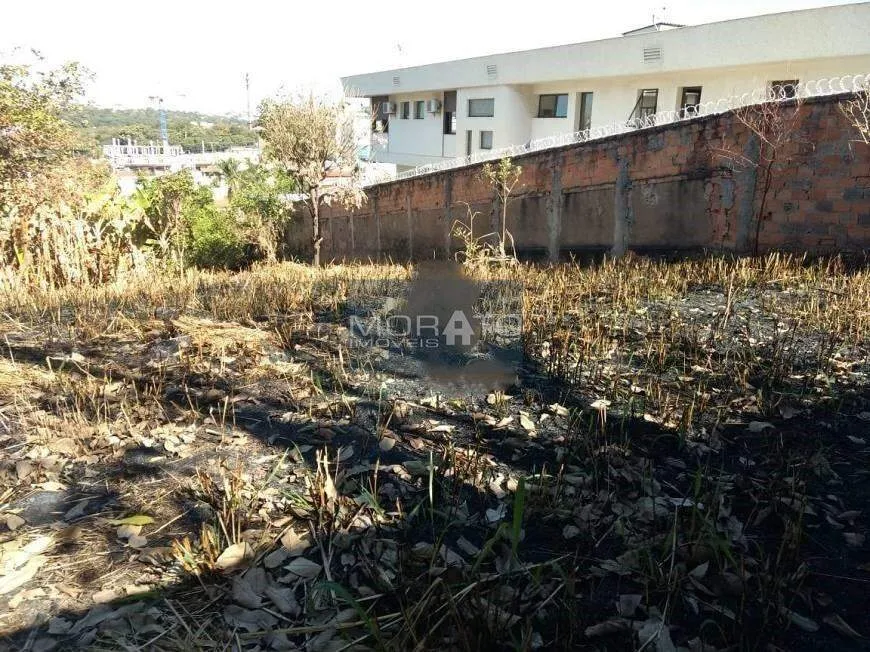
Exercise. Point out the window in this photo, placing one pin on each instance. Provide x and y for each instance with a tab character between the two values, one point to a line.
585	112
784	89
450	112
483	108
646	106
406	110
468	143
690	98
485	140
419	109
380	116
553	106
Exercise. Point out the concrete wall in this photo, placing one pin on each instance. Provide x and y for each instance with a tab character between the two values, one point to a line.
675	187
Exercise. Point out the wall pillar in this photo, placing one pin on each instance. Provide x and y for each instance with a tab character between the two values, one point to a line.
410	221
747	181
448	215
622	210
376	214
554	210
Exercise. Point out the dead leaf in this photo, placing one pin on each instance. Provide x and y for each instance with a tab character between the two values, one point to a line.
294	543
628	604
612	626
558	410
284	599
127	531
801	622
304	568
106	595
570	531
13	580
835	621
64	445
248	588
135	519
759	426
276	558
137	541
58	625
235	556
14	521
527	423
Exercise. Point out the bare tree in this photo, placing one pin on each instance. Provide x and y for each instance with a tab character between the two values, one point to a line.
312	139
503	177
774	124
857	111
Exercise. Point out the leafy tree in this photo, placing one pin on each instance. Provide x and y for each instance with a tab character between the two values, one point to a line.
228	170
33	136
261	201
169	202
215	239
312	139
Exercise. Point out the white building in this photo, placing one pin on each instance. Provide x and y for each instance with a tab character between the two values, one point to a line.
457	108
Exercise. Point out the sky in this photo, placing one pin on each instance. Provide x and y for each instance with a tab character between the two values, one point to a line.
195	53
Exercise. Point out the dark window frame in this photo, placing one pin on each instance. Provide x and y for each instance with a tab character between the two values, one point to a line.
450	123
405	110
491	114
491	138
419	109
584	110
449	126
642	110
555	109
683	108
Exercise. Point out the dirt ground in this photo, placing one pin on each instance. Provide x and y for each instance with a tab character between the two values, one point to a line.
680	460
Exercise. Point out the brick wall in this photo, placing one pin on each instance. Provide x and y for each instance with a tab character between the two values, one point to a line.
678	187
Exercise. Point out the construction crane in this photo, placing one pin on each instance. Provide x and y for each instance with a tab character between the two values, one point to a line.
164	130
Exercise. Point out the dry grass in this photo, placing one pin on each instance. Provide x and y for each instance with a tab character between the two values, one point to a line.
674	464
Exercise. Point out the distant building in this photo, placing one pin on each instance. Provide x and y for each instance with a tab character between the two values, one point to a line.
427	114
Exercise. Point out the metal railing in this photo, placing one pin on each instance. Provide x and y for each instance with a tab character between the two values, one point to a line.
814	88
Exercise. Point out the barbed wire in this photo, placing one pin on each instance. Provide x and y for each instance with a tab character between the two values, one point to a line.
778	93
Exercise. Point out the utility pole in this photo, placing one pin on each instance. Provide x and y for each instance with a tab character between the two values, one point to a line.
248	96
164	132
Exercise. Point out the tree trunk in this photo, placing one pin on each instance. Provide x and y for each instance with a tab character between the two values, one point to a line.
315	228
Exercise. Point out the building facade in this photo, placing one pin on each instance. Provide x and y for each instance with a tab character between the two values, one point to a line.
431	113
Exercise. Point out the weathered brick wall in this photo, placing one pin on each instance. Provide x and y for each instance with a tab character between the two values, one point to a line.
678	187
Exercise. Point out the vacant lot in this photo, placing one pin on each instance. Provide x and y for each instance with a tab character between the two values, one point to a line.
681	461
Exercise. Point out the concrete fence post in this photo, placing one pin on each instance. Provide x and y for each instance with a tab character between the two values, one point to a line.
410	221
554	210
746	179
377	215
448	215
622	210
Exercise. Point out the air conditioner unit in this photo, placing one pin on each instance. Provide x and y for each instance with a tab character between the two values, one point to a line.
433	106
388	108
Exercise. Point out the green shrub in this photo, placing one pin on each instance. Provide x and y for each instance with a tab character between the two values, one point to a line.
215	239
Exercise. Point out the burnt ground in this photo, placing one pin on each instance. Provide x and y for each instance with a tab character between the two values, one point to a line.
692	474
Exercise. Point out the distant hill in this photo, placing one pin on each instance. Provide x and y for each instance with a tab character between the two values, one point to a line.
97	126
